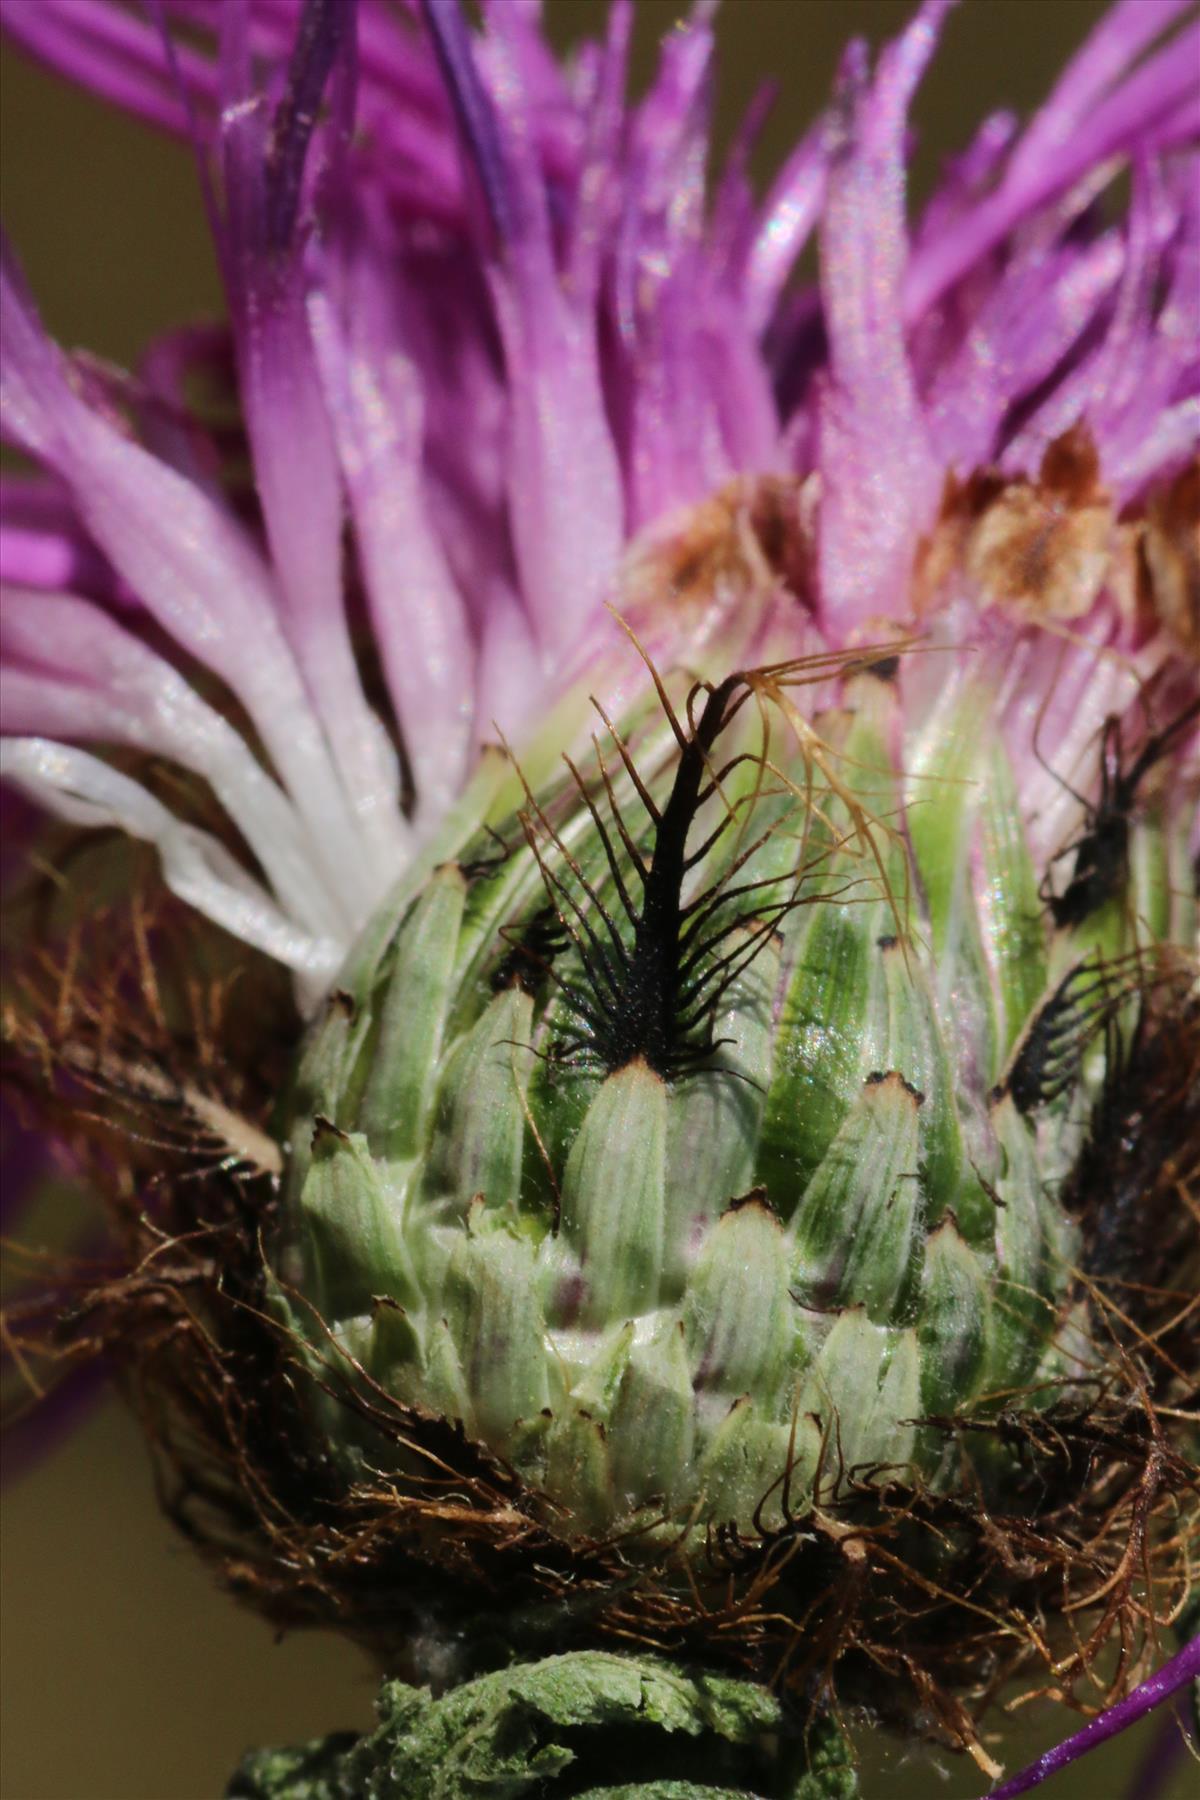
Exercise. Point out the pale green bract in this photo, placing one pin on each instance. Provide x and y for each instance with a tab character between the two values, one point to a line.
693	1132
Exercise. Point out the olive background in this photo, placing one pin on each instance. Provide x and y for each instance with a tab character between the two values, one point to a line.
127	1675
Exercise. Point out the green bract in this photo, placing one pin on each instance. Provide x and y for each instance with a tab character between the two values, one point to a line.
692	1129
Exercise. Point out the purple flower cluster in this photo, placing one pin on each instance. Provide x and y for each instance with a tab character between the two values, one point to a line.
492	318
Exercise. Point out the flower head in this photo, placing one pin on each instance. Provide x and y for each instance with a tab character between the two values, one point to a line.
498	331
733	1133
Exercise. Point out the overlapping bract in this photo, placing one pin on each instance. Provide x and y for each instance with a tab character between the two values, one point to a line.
713	1266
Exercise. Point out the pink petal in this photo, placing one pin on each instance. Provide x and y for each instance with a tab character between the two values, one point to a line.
69	671
196	867
880	479
191	565
295	464
564	491
788	216
420	622
113	53
1080	126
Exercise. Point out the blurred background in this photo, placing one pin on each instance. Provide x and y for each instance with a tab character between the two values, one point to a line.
126	1674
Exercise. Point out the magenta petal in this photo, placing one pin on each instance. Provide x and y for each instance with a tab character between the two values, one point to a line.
1154	1779
788	216
664	172
44	559
505	325
1138	387
114	53
967	177
597	198
472	108
510	686
670	312
190	563
41	544
1037	309
169	426
1085	125
69	671
419	619
32	1435
880	479
196	866
295	464
324	37
564	491
1129	28
565	500
732	213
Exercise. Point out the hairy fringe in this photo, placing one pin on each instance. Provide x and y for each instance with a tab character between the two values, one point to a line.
115	1033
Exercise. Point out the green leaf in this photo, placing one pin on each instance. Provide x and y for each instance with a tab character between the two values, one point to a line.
308	1772
516	1731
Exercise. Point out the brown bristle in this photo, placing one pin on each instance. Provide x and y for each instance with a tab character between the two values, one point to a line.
947	1594
1136	1187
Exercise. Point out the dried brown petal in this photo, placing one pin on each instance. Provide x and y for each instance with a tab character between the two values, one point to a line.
1044	550
1171	552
